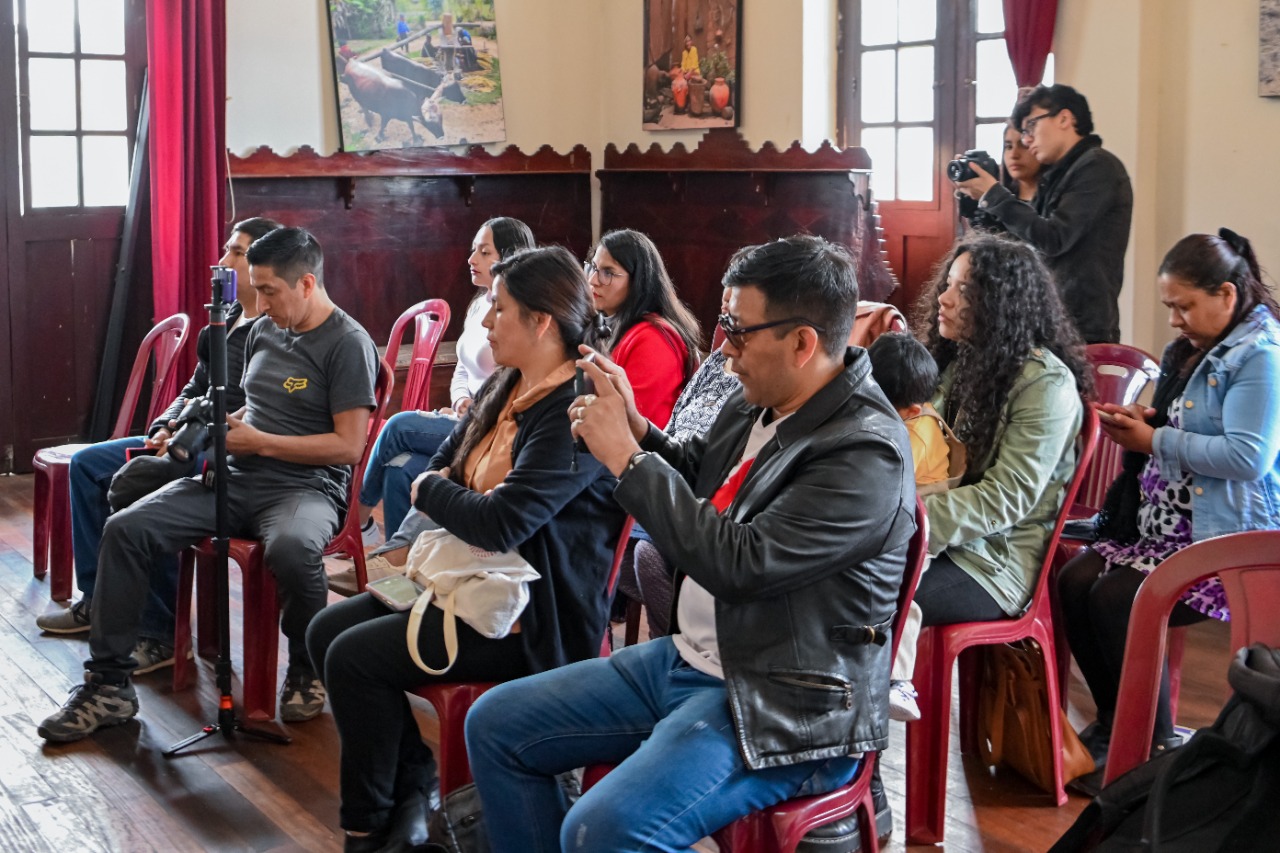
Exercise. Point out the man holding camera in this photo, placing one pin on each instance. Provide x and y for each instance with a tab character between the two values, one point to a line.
93	469
1079	219
309	389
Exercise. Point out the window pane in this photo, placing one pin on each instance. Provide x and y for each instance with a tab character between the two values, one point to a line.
878	86
917	19
879	142
102	26
879	22
915	84
52	87
990	138
915	164
997	89
102	96
51	26
106	170
990	16
53	171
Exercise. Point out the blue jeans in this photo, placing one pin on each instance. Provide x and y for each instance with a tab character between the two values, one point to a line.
403	450
89	477
667	726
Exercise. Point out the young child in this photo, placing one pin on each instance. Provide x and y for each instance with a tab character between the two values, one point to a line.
908	376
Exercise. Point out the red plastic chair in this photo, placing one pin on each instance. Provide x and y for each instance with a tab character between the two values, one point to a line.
452	701
51	514
1248	564
780	828
431	318
261	608
928	739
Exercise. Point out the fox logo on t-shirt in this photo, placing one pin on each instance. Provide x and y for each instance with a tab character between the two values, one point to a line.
295	383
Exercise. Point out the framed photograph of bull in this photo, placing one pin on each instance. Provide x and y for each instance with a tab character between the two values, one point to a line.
692	70
412	73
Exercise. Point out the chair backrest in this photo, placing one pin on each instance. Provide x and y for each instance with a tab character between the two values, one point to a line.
1248	564
1086	444
431	318
1120	373
164	342
382	388
917	554
872	320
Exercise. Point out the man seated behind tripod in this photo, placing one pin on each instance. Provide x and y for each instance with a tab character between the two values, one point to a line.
93	467
309	388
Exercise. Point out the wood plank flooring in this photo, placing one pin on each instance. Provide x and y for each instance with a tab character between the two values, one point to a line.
115	792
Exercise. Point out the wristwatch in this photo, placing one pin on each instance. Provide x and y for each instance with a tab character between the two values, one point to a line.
634	461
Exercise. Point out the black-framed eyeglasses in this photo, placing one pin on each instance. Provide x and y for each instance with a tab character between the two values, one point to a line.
738	335
607	277
1029	126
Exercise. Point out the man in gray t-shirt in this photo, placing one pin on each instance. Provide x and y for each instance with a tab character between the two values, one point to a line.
309	382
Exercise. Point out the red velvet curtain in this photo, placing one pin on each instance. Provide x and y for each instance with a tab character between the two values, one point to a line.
186	54
1028	34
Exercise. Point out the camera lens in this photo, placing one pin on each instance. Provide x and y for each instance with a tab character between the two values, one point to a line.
957	169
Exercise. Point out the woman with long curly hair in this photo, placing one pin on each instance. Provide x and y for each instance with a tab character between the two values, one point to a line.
1203	461
1013	372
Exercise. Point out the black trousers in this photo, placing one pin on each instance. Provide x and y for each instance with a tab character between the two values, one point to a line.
359	648
948	594
1096	608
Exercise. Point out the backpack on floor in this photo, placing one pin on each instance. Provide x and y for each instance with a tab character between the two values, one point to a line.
1219	792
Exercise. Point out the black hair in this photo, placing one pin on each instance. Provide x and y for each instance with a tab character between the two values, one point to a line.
1055	98
649	291
255	227
802	276
1206	262
291	253
546	280
1014	307
509	235
903	369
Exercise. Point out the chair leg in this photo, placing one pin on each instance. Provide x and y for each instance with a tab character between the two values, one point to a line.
1056	716
183	669
632	635
206	607
928	740
40	524
1177	645
61	570
261	643
970	698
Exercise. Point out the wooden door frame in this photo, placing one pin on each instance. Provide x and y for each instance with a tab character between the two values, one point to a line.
9	212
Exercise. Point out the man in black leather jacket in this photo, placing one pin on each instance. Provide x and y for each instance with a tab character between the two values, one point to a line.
788	524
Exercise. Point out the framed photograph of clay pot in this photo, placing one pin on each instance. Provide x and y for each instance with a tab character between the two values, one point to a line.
409	73
692	64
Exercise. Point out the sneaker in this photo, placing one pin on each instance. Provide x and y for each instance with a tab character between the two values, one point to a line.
153	654
902	702
90	706
375	568
370	535
73	620
302	696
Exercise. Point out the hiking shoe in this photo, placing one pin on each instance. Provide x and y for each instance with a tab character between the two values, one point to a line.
73	620
302	696
902	702
152	654
91	706
375	568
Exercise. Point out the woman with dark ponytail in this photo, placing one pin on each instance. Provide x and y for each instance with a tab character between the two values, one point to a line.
1203	461
508	478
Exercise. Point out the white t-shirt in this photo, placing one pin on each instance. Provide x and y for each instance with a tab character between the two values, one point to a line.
696	612
475	359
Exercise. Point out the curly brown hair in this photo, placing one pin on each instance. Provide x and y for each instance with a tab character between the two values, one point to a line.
1014	308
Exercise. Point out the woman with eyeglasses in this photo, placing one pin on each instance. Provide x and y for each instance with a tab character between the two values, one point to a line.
1204	461
650	334
408	440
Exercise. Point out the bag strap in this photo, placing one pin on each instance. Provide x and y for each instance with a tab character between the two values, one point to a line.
450	631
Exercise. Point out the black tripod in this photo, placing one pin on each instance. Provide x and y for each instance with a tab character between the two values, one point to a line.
224	285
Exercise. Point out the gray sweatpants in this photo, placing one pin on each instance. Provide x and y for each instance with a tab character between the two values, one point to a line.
295	520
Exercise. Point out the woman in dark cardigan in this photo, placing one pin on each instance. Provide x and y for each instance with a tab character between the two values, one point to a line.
506	479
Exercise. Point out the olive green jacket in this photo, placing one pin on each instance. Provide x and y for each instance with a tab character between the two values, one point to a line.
997	527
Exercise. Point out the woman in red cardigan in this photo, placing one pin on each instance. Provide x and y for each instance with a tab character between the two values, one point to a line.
651	334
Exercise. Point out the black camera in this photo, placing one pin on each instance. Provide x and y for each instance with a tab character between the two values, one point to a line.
192	433
958	169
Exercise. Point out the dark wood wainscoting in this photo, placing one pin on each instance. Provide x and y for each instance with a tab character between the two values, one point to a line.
701	206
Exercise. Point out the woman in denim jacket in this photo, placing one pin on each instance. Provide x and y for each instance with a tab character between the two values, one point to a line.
1204	461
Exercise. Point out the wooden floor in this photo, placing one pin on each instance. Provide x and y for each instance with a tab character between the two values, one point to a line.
115	791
